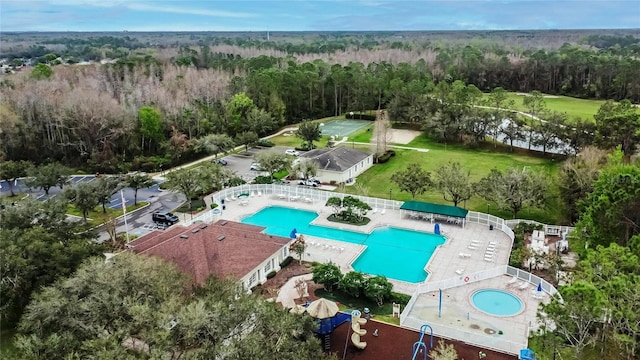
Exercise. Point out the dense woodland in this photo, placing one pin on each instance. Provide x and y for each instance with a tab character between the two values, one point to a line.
96	116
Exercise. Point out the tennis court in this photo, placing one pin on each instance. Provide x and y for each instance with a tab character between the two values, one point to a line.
342	128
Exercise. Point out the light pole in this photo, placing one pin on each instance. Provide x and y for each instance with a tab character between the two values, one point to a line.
390	194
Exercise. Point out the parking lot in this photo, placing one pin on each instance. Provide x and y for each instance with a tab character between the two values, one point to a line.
241	163
115	201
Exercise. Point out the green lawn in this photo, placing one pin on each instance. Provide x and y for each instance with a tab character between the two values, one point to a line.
478	161
98	217
574	107
348	302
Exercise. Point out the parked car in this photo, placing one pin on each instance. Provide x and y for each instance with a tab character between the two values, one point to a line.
292	152
164	218
222	162
308	183
256	167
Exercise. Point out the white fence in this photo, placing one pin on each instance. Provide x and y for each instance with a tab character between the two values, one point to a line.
548	229
469	337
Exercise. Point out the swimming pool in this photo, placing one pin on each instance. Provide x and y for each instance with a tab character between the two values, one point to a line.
395	253
496	302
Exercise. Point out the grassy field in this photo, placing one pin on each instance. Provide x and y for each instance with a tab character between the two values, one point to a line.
478	161
97	217
574	107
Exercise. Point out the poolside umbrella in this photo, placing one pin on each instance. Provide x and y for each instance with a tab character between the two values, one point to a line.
539	287
322	309
298	309
436	229
293	234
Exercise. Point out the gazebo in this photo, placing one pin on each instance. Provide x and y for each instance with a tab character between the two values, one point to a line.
434	211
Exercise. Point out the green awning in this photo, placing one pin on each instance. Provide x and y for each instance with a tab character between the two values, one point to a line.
426	207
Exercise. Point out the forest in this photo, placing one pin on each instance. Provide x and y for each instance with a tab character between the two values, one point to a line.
95	116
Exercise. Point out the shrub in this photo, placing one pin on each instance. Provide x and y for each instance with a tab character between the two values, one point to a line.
332	182
213	205
386	156
262	180
236	181
265	143
400	298
271	274
286	261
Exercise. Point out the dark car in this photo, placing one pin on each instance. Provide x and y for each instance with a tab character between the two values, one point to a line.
222	162
164	218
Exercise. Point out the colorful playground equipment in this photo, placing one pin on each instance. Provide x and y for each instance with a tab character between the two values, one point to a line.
419	346
356	322
527	354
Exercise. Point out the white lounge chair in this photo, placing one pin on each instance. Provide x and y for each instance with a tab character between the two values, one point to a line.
375	210
383	211
244	202
512	281
523	286
460	271
259	193
308	200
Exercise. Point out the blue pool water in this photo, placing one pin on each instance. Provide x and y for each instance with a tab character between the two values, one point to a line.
496	302
395	253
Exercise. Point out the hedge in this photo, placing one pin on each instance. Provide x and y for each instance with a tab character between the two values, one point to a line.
286	261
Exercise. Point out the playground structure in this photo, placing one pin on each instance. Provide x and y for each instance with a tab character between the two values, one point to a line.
356	322
420	346
527	354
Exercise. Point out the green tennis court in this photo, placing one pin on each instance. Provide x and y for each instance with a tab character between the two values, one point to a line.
342	128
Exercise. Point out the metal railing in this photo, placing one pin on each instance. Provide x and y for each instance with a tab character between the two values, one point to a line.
548	229
458	334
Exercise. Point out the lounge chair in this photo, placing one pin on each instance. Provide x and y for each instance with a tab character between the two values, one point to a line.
523	286
308	200
472	247
244	202
512	281
375	210
383	211
460	271
259	193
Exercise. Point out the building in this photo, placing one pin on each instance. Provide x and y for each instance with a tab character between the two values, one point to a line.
339	164
225	249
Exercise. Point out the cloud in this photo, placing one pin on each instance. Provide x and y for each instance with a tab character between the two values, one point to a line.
155	7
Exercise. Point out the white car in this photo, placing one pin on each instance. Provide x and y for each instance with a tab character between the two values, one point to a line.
292	152
256	167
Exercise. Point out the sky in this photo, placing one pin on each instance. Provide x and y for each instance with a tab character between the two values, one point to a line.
315	15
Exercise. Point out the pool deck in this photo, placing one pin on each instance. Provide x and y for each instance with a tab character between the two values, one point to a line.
444	263
455	259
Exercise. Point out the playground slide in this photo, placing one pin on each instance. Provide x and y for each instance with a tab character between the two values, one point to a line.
356	329
355	339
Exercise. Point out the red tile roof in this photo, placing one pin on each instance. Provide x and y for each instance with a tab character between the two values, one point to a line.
199	252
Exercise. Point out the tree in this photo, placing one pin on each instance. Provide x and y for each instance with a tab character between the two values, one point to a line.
336	203
454	183
352	283
381	133
308	168
150	124
186	181
298	247
134	306
513	130
378	289
327	274
576	179
413	180
138	181
39	245
48	176
535	104
549	132
574	314
247	138
513	189
12	170
612	209
104	187
84	197
273	161
215	143
41	71
443	351
618	125
309	132
238	109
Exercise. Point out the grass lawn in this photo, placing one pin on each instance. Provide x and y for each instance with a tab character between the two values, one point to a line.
348	302
478	161
98	217
574	107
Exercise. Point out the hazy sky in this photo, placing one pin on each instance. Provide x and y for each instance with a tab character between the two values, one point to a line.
301	15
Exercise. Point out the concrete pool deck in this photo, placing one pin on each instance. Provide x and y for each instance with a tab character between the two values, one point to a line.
462	255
